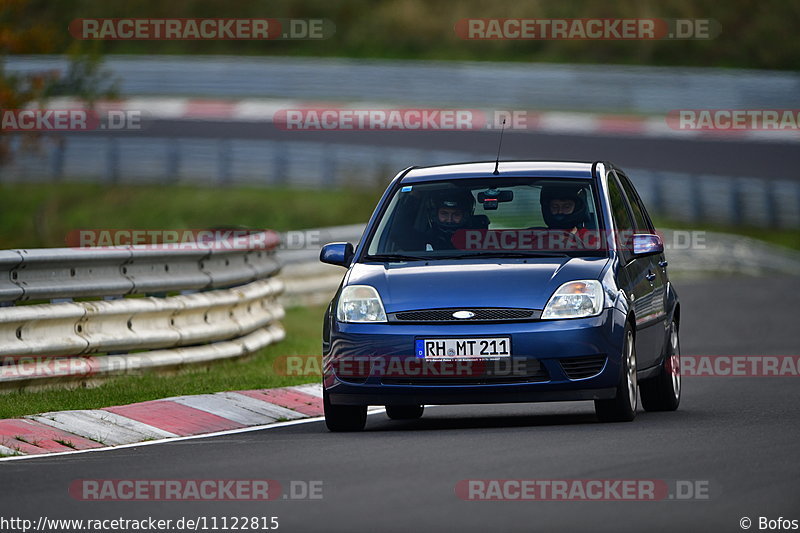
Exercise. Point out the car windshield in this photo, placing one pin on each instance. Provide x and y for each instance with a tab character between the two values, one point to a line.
511	217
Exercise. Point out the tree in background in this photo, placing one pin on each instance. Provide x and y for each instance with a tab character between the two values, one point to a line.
25	28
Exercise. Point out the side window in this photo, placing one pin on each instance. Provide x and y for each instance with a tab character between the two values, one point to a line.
639	217
622	217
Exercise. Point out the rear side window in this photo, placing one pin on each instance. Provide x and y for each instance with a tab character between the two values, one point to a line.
639	218
622	219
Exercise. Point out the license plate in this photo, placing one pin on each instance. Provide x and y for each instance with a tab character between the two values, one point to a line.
475	348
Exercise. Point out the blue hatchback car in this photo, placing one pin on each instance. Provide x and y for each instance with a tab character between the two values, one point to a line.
517	281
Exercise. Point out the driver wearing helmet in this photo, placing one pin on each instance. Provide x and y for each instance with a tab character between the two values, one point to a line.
449	212
564	209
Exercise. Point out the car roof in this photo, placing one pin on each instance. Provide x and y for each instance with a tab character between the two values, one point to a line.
485	169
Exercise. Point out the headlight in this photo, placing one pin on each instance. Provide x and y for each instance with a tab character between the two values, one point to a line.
360	303
576	299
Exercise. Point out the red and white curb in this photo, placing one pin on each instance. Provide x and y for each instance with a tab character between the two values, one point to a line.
264	110
181	416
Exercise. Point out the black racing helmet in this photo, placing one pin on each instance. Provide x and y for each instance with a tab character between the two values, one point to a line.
576	219
453	199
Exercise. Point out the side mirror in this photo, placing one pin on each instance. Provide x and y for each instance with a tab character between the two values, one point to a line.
646	244
337	253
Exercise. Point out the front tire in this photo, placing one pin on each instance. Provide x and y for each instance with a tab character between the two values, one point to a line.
663	392
404	412
622	408
343	417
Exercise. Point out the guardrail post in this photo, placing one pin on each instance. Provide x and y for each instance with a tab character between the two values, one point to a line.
698	201
328	161
173	160
658	195
57	167
773	218
224	162
382	169
112	160
280	163
786	203
797	199
736	201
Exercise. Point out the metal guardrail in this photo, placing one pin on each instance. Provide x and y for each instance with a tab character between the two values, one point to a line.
308	281
607	88
126	324
228	307
678	196
68	273
85	370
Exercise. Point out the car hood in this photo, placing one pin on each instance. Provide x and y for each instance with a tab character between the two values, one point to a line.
457	283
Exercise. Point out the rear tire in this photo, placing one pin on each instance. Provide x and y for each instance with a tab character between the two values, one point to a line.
663	392
622	408
343	417
404	412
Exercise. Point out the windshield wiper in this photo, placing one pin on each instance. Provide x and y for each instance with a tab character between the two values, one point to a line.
395	257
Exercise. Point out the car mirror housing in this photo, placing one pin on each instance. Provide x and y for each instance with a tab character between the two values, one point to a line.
337	253
647	244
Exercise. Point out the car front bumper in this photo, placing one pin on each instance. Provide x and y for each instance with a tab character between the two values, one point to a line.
546	344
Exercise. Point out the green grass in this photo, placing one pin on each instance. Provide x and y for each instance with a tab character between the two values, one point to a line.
304	329
37	215
788	238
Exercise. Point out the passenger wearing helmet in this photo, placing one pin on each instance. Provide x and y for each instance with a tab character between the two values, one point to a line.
563	208
450	211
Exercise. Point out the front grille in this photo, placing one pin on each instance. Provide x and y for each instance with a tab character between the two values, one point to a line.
494	372
480	315
583	367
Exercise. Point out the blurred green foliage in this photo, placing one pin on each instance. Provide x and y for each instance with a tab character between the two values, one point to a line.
755	33
24	31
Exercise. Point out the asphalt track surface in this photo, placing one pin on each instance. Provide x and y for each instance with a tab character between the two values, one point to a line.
695	155
740	435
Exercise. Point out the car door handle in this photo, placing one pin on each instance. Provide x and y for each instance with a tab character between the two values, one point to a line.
650	276
663	264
